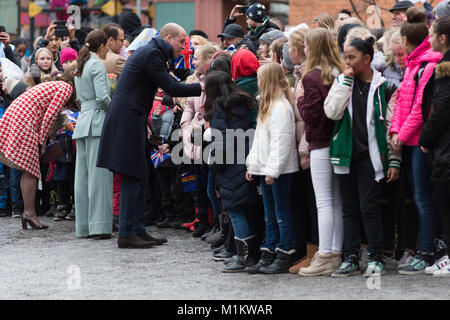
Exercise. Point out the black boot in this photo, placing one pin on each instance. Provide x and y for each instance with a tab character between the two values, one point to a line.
246	255
214	229
267	258
281	264
203	225
224	226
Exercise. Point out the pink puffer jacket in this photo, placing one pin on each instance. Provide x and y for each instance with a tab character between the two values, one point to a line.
407	121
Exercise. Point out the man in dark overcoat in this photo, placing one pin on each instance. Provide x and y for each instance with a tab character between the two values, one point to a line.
123	141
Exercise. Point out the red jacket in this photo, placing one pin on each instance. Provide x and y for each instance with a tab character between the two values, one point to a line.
318	128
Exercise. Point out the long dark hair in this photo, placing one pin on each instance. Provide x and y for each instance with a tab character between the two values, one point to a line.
94	41
442	26
68	77
222	93
365	46
415	29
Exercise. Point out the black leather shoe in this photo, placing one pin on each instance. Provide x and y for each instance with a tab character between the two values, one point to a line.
200	230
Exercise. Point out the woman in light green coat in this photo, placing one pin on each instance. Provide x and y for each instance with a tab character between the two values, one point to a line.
93	186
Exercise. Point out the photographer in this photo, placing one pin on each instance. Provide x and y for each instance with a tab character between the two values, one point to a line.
6	50
53	43
257	21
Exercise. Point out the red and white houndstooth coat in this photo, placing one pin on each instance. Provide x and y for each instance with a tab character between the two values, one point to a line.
27	122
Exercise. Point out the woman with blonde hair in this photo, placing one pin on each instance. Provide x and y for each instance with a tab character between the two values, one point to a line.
273	157
199	41
323	65
44	65
325	21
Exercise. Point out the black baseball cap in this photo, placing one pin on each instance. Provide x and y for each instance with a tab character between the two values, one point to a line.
402	5
231	31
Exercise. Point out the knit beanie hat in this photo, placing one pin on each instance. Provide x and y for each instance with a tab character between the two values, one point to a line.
270	36
244	63
68	54
443	9
129	21
256	12
287	62
10	84
15	87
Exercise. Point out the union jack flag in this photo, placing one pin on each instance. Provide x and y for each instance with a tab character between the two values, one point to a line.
158	157
186	57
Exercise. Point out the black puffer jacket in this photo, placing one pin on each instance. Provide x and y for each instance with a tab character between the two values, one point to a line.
435	134
230	178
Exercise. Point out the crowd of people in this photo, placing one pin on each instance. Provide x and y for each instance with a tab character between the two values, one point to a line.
346	170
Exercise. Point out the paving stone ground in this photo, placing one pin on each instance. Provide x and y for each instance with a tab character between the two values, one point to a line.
54	264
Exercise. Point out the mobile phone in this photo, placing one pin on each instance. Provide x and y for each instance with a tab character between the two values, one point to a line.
243	9
61	29
2	29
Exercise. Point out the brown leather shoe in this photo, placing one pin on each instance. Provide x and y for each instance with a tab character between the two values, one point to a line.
146	237
134	243
297	265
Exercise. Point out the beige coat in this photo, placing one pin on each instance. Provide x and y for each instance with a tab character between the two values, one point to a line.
114	63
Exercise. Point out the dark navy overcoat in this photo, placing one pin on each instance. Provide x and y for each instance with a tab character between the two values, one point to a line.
123	140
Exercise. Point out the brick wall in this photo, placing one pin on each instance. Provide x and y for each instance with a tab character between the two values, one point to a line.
305	10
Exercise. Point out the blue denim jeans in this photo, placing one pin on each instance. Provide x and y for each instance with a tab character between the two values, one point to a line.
3	193
132	205
277	211
211	190
415	162
14	185
242	229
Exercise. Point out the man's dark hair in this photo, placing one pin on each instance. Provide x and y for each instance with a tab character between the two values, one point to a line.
345	11
112	30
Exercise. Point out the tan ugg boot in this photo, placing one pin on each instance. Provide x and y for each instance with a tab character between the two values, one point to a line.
337	259
322	265
311	249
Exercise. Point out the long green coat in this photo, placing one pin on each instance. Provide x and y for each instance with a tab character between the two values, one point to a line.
93	186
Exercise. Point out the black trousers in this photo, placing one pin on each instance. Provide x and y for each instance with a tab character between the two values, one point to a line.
361	198
442	197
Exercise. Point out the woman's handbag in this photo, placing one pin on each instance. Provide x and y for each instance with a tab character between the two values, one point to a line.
52	152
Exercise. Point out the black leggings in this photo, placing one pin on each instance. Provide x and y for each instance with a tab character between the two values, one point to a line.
442	197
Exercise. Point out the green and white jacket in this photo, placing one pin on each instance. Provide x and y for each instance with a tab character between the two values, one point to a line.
338	107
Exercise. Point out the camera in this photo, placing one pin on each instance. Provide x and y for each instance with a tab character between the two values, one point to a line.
61	29
243	9
2	29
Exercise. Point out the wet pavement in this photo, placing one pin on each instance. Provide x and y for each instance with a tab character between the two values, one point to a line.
54	264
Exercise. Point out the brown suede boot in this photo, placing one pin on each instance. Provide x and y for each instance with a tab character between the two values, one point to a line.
311	249
134	243
147	237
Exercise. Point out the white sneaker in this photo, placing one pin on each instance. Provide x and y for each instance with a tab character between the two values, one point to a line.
389	262
438	265
405	260
442	273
